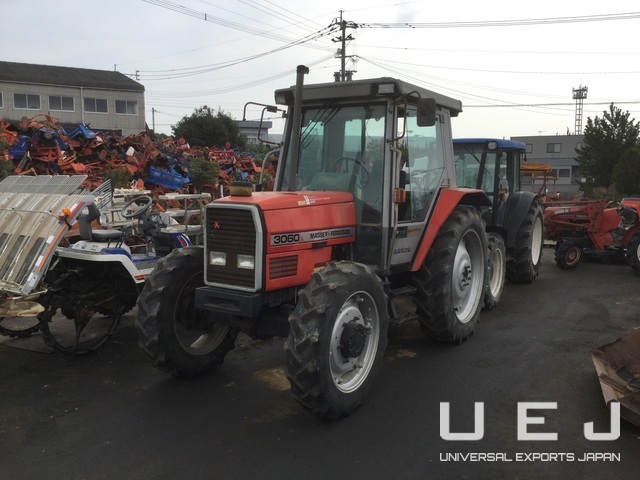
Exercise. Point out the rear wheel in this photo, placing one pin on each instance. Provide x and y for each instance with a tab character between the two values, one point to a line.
496	270
337	339
180	339
450	284
633	253
527	254
567	256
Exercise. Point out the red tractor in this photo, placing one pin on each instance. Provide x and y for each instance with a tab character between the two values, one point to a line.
594	228
364	214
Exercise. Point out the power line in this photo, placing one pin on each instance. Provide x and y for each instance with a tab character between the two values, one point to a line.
630	102
519	72
217	20
508	23
190	71
235	87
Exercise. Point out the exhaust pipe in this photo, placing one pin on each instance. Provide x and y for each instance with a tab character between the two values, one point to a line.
301	71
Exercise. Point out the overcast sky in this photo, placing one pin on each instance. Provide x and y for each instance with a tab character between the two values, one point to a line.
514	78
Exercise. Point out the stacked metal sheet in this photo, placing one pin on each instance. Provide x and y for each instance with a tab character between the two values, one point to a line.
32	225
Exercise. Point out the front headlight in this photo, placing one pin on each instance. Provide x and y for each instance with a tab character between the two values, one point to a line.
246	261
218	259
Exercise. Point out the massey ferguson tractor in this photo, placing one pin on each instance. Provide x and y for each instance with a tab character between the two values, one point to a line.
365	213
514	219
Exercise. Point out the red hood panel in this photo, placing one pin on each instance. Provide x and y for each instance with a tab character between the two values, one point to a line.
284	200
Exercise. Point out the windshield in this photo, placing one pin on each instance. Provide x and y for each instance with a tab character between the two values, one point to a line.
475	166
341	148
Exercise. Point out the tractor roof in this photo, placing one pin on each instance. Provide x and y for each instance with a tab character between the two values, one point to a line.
502	143
383	87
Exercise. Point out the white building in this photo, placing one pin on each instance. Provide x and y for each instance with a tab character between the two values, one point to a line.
102	99
254	130
558	151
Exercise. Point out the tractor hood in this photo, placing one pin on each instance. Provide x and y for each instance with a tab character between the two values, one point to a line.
268	201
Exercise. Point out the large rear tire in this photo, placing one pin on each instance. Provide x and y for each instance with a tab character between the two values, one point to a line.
527	254
496	270
337	339
450	284
180	339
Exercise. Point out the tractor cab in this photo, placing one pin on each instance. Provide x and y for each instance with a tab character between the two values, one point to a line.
373	140
492	165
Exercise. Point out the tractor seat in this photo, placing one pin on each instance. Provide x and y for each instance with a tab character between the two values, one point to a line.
103	235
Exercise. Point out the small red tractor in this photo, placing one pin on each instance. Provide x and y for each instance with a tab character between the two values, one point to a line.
365	215
594	228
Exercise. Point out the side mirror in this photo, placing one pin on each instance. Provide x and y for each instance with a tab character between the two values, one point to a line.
426	112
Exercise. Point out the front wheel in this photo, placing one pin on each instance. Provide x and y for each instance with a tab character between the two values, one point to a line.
496	270
633	253
450	284
337	339
567	256
180	339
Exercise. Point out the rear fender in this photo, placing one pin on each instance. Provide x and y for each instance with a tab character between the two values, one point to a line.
448	200
518	205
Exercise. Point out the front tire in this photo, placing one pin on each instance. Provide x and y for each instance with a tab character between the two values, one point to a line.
633	253
180	339
337	339
568	256
450	284
496	270
527	254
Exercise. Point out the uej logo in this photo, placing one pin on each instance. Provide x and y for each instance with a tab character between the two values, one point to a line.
524	420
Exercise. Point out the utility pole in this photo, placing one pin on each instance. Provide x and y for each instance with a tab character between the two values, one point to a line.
344	74
153	119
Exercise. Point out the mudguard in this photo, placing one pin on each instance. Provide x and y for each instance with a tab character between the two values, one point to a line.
448	200
518	205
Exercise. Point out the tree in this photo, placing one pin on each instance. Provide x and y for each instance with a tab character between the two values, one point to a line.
626	175
206	128
605	141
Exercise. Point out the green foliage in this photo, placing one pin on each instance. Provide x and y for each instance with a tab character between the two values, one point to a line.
6	168
626	175
206	128
119	177
203	172
606	139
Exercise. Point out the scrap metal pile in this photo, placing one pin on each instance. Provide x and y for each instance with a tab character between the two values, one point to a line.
41	146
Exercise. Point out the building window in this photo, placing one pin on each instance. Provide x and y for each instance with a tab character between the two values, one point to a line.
564	172
529	148
554	147
29	102
61	104
126	107
95	105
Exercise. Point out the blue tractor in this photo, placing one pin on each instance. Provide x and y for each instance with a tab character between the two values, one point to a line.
514	220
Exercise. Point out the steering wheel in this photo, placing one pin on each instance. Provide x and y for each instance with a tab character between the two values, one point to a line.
137	213
427	180
363	174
